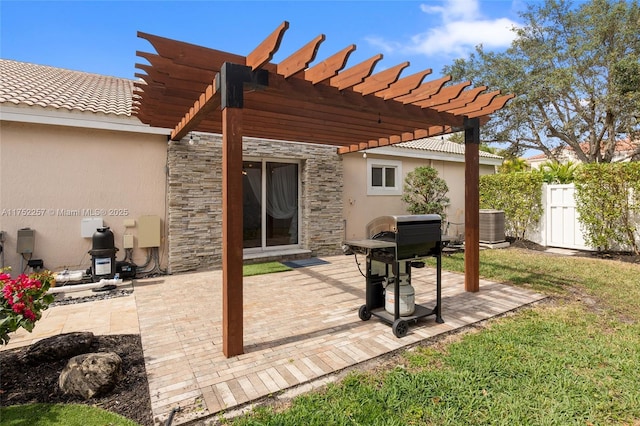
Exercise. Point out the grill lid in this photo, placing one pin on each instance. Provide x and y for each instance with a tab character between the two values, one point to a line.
391	223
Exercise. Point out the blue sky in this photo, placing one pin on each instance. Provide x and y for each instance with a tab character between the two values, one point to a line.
100	36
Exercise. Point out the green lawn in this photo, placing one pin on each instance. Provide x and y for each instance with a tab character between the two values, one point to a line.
263	268
60	415
572	361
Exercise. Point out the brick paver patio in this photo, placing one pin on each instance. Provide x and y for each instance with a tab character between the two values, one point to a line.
299	326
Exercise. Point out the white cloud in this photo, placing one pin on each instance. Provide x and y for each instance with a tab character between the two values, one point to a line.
386	46
459	28
460	37
454	9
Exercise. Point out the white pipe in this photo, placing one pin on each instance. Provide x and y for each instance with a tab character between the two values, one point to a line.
79	287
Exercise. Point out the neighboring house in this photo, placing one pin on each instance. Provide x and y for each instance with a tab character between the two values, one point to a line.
625	151
70	150
366	198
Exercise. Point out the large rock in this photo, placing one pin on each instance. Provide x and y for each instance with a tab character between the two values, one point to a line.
55	348
91	375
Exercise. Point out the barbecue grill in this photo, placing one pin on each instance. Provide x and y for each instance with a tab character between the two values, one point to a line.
394	246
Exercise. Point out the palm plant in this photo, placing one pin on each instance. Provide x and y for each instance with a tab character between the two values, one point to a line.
558	173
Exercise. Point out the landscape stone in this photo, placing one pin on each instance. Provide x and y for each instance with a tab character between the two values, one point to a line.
63	346
91	375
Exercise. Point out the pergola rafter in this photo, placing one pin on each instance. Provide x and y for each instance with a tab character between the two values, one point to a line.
180	72
192	88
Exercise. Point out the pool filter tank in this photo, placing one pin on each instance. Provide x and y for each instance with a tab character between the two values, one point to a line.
103	255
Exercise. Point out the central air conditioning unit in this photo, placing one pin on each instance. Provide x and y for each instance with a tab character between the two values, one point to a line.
492	226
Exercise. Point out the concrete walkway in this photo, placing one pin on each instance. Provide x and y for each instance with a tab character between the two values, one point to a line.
299	326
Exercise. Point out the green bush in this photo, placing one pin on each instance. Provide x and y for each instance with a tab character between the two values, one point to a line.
558	173
519	195
425	192
608	201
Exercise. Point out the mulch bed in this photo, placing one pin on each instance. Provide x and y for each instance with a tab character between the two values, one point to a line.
24	384
607	255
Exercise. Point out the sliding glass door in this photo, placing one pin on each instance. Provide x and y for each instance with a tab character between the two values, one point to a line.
271	204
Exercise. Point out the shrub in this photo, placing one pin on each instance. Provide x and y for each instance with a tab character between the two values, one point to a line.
558	173
519	195
608	201
425	192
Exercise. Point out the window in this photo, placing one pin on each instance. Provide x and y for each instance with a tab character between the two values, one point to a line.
383	177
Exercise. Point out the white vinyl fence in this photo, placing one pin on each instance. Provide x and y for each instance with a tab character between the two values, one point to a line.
559	225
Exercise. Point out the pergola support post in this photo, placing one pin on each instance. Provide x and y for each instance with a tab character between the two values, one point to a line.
232	298
472	204
230	82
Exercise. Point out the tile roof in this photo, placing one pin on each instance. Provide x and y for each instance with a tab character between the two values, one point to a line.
28	84
542	156
439	144
623	147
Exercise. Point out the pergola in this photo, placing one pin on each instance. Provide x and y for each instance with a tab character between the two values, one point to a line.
192	88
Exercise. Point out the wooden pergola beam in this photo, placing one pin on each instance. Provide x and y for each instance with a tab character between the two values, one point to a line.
496	104
329	67
404	86
444	96
381	80
481	102
356	74
424	91
208	101
300	60
265	50
191	54
465	98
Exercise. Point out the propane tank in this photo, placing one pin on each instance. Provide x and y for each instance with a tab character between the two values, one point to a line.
407	296
103	254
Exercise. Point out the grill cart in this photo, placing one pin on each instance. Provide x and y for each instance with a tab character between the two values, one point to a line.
395	246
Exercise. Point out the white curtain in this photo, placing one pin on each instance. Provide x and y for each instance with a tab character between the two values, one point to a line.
282	196
282	193
255	177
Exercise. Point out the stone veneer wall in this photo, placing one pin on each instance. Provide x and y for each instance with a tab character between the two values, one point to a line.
195	197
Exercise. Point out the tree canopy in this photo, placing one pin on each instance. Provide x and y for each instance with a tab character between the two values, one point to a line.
576	74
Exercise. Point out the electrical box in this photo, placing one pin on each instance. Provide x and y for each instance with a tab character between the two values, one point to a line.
26	241
129	223
127	241
89	225
149	231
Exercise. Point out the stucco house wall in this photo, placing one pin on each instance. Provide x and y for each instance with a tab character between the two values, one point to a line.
360	207
53	176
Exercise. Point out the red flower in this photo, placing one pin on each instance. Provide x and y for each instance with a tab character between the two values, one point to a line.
18	308
28	314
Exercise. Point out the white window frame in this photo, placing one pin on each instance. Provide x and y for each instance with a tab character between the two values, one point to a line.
384	164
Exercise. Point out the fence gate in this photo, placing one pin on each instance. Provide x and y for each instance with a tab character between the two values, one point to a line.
562	224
